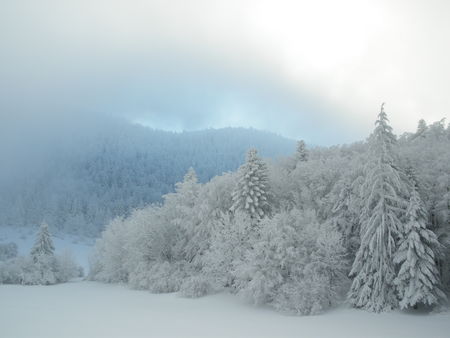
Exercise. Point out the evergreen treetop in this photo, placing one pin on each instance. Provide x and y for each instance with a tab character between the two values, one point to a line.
251	194
382	192
43	245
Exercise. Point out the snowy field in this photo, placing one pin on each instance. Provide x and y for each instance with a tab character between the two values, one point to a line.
89	309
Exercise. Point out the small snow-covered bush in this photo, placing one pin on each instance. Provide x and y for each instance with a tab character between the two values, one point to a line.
45	270
196	286
9	273
66	267
158	277
165	277
42	266
139	278
302	297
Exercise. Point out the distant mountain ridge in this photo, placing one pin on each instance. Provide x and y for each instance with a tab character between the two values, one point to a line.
81	176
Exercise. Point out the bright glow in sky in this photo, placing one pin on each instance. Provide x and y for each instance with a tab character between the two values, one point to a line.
317	70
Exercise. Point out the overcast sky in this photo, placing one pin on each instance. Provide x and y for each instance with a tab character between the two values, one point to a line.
317	70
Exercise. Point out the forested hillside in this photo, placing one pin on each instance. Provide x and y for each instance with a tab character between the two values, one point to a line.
78	175
369	221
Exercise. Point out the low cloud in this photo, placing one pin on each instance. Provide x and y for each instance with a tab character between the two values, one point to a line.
313	71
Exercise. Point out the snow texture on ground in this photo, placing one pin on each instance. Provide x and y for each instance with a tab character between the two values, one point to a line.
90	309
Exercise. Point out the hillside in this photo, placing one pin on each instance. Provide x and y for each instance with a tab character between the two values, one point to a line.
77	175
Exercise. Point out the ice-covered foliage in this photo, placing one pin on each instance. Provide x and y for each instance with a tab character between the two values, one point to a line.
345	211
196	286
42	266
428	153
296	265
230	241
251	194
46	271
108	261
301	155
44	244
43	269
343	207
381	224
156	247
194	245
418	280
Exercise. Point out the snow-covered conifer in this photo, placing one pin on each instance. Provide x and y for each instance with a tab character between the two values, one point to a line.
373	268
301	154
44	262
418	279
43	245
189	187
421	129
251	194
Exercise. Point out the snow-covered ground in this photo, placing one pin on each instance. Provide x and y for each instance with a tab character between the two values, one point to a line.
89	309
25	237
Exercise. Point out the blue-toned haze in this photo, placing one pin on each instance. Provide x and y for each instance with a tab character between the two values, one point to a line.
316	70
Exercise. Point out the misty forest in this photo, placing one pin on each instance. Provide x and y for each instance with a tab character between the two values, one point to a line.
224	168
366	223
368	220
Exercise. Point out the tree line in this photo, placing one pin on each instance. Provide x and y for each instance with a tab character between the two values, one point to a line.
367	222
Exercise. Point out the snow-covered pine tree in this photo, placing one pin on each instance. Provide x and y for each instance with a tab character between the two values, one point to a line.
421	129
301	154
189	187
373	269
43	245
43	258
418	279
442	213
251	194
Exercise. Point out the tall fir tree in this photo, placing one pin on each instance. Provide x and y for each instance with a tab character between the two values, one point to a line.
373	269
251	194
418	280
43	245
44	260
